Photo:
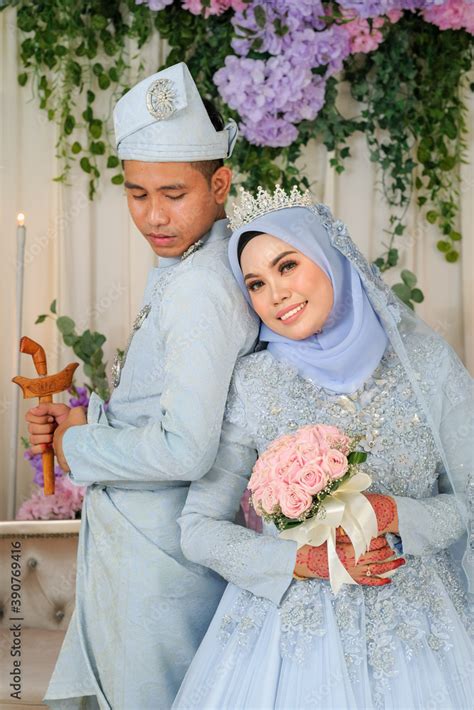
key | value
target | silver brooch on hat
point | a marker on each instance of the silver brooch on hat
(161, 99)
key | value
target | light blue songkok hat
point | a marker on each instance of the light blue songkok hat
(352, 341)
(163, 119)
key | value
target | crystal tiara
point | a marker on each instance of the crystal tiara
(249, 207)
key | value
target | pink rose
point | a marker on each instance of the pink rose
(270, 497)
(312, 478)
(294, 501)
(335, 463)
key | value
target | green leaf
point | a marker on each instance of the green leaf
(69, 339)
(408, 278)
(85, 165)
(392, 257)
(90, 96)
(88, 116)
(41, 319)
(402, 291)
(95, 128)
(452, 256)
(104, 81)
(117, 179)
(69, 124)
(112, 161)
(65, 325)
(455, 236)
(76, 148)
(52, 307)
(22, 78)
(357, 457)
(432, 216)
(417, 295)
(448, 163)
(97, 148)
(98, 22)
(443, 246)
(97, 69)
(260, 15)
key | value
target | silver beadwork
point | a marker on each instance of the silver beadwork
(120, 358)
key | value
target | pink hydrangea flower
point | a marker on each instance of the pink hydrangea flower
(63, 505)
(363, 37)
(451, 15)
(216, 7)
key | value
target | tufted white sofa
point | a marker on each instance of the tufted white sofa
(34, 624)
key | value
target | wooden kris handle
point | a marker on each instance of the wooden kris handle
(47, 459)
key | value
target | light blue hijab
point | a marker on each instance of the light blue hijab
(352, 341)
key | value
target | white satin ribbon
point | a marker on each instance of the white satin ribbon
(348, 508)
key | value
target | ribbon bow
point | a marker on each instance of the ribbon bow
(349, 509)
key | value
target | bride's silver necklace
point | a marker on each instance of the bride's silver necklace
(121, 356)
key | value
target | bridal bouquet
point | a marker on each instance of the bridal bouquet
(308, 484)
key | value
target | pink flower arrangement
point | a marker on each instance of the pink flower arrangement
(451, 15)
(64, 504)
(363, 37)
(297, 471)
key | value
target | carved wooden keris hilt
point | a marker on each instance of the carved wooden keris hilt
(44, 387)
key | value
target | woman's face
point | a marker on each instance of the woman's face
(289, 292)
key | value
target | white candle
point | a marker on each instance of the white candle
(20, 258)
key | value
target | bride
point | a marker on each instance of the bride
(341, 350)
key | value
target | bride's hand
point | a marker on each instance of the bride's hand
(313, 562)
(386, 511)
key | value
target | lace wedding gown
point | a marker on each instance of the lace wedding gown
(275, 642)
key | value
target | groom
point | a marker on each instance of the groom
(141, 607)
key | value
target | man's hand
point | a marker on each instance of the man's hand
(76, 417)
(42, 421)
(47, 424)
(313, 561)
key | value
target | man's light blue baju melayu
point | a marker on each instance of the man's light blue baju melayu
(142, 608)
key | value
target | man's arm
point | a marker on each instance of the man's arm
(206, 326)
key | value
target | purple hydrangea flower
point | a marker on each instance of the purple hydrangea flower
(80, 397)
(37, 464)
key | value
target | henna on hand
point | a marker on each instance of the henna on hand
(386, 511)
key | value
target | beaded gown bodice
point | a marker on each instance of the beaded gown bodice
(271, 399)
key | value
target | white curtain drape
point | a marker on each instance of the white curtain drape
(91, 258)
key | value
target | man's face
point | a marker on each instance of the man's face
(172, 204)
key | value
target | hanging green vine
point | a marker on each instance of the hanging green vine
(76, 56)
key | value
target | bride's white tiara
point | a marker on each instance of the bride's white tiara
(249, 207)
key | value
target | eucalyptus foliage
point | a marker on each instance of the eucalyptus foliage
(87, 346)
